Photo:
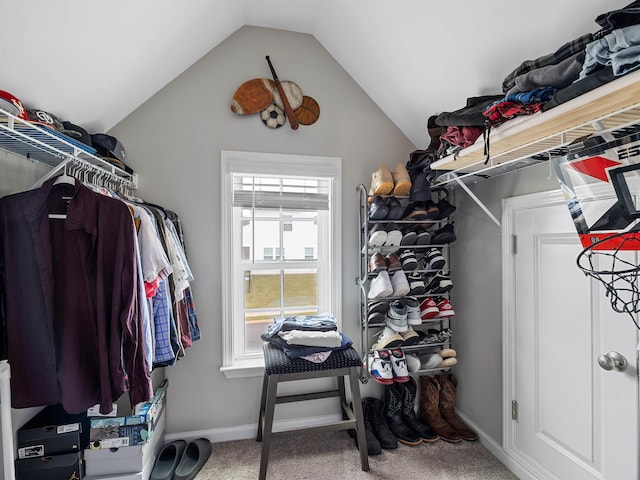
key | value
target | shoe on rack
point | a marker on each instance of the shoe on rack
(399, 365)
(388, 338)
(409, 236)
(432, 210)
(408, 260)
(377, 235)
(374, 409)
(378, 210)
(448, 362)
(409, 337)
(395, 209)
(401, 180)
(380, 307)
(440, 283)
(409, 392)
(376, 318)
(393, 414)
(431, 361)
(428, 309)
(397, 315)
(377, 263)
(415, 211)
(424, 237)
(444, 235)
(434, 260)
(446, 209)
(413, 362)
(413, 310)
(400, 284)
(394, 235)
(416, 284)
(444, 335)
(444, 308)
(373, 444)
(380, 286)
(393, 262)
(381, 181)
(379, 365)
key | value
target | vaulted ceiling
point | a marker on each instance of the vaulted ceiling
(93, 62)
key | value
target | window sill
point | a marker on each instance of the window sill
(253, 367)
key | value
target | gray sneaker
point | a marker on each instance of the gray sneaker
(397, 316)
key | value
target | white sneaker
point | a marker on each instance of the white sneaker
(400, 284)
(413, 311)
(379, 365)
(388, 338)
(399, 365)
(380, 286)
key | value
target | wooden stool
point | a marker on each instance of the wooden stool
(280, 368)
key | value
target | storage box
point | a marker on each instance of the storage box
(123, 460)
(53, 431)
(57, 467)
(117, 432)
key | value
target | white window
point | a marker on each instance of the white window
(280, 247)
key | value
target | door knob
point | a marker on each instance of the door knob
(613, 361)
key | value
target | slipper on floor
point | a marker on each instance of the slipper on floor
(193, 459)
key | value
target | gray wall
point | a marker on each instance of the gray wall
(174, 141)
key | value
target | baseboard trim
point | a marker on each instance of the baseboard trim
(249, 431)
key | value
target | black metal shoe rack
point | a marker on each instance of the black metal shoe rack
(370, 331)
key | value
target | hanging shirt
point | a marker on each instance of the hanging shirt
(72, 332)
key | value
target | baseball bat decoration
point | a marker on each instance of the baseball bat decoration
(293, 121)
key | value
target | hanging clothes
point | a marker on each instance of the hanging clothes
(71, 323)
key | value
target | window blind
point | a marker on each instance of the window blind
(290, 193)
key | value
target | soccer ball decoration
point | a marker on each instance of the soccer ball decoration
(273, 116)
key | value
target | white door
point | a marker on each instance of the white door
(565, 417)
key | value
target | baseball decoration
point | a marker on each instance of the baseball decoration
(276, 101)
(273, 116)
(308, 112)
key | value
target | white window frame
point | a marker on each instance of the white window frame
(235, 365)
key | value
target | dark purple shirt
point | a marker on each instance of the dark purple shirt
(72, 326)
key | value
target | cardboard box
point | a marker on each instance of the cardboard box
(57, 467)
(117, 432)
(123, 460)
(53, 431)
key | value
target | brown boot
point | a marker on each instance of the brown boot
(401, 180)
(429, 410)
(448, 384)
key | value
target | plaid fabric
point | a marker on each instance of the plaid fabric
(164, 353)
(193, 319)
(502, 111)
(539, 95)
(565, 51)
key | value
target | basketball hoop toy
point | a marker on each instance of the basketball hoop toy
(619, 276)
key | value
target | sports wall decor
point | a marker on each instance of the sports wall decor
(276, 101)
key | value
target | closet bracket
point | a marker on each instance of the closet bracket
(476, 199)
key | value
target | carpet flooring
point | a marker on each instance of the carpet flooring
(327, 455)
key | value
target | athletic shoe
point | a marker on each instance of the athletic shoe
(413, 362)
(376, 317)
(408, 260)
(444, 308)
(415, 211)
(377, 235)
(446, 209)
(379, 365)
(416, 284)
(444, 235)
(394, 235)
(409, 236)
(397, 316)
(388, 338)
(382, 307)
(428, 309)
(424, 237)
(430, 361)
(444, 335)
(393, 263)
(400, 284)
(398, 365)
(377, 263)
(434, 260)
(380, 286)
(440, 283)
(413, 311)
(410, 337)
(432, 209)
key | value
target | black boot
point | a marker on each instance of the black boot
(373, 445)
(409, 414)
(373, 408)
(393, 414)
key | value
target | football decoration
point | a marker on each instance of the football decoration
(308, 112)
(273, 116)
(277, 101)
(252, 96)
